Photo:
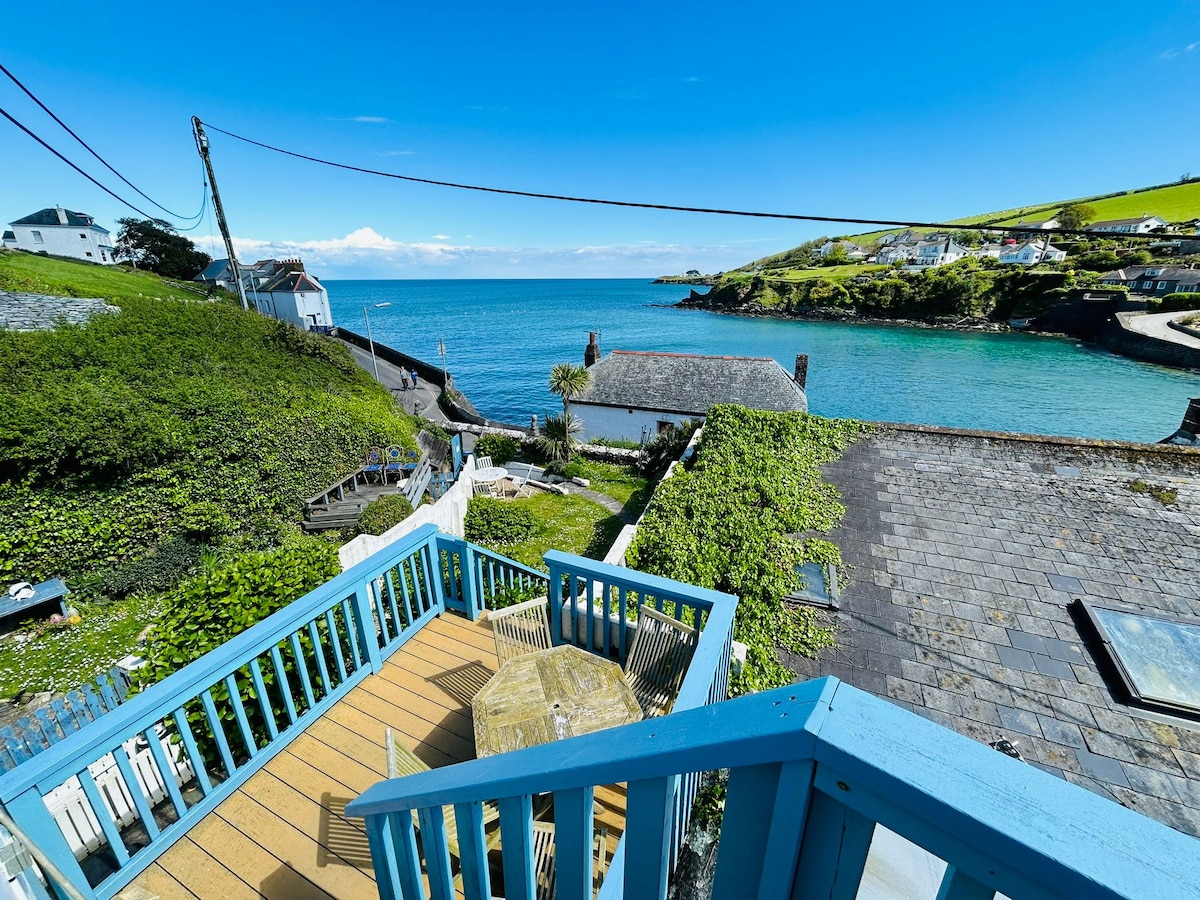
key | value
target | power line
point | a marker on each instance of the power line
(113, 194)
(87, 147)
(940, 226)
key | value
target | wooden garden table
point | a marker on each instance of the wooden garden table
(548, 695)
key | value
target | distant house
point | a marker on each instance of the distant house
(1155, 281)
(1030, 253)
(62, 232)
(1038, 225)
(895, 253)
(1141, 225)
(634, 395)
(853, 251)
(280, 289)
(990, 250)
(937, 253)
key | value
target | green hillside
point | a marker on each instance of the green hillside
(149, 445)
(1173, 202)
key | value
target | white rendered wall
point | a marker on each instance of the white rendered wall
(65, 240)
(621, 422)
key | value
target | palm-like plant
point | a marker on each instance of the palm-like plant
(558, 437)
(568, 381)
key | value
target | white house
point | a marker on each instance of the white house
(894, 253)
(289, 294)
(1141, 225)
(1031, 252)
(937, 253)
(62, 232)
(1038, 226)
(990, 250)
(635, 395)
(853, 251)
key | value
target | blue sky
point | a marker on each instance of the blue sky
(891, 110)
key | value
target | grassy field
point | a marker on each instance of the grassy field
(572, 524)
(1173, 202)
(68, 278)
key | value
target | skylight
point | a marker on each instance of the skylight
(820, 585)
(1157, 658)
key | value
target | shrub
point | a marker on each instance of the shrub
(167, 564)
(384, 513)
(206, 611)
(499, 447)
(669, 445)
(496, 522)
(1179, 302)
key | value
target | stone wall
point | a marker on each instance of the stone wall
(1119, 338)
(40, 312)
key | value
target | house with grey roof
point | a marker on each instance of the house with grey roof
(1138, 225)
(1035, 594)
(1155, 281)
(8, 240)
(633, 395)
(1030, 253)
(281, 289)
(62, 232)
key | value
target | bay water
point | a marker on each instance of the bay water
(502, 336)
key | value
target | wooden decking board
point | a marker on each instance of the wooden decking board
(283, 834)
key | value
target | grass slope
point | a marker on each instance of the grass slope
(1173, 202)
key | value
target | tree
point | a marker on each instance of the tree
(155, 245)
(568, 381)
(558, 438)
(1075, 215)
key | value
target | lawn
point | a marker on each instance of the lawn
(64, 658)
(823, 272)
(571, 523)
(67, 278)
(622, 483)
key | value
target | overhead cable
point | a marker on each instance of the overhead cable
(87, 147)
(940, 226)
(113, 194)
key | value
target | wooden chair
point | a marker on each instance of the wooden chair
(521, 628)
(543, 858)
(483, 462)
(485, 489)
(661, 652)
(401, 761)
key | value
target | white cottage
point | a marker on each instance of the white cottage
(635, 395)
(1031, 252)
(291, 295)
(1143, 224)
(62, 232)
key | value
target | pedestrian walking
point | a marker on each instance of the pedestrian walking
(414, 378)
(403, 380)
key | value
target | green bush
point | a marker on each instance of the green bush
(497, 522)
(668, 445)
(499, 447)
(206, 611)
(1178, 302)
(382, 514)
(165, 566)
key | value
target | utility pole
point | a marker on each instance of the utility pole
(202, 147)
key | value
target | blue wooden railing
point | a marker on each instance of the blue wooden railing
(147, 771)
(819, 775)
(474, 576)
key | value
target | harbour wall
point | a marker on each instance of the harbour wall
(1118, 337)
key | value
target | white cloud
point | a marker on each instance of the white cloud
(1180, 51)
(364, 253)
(365, 120)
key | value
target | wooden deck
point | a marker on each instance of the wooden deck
(283, 834)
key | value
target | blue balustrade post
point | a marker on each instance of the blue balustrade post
(29, 811)
(472, 595)
(958, 885)
(432, 560)
(516, 841)
(364, 617)
(648, 838)
(555, 596)
(834, 849)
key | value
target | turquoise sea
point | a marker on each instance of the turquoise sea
(502, 337)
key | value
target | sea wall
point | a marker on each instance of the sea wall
(1120, 338)
(429, 372)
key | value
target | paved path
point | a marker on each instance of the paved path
(1155, 325)
(421, 401)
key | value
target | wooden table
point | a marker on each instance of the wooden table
(548, 695)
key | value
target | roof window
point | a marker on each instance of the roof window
(820, 586)
(1156, 658)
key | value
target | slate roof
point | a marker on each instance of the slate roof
(217, 269)
(689, 384)
(1182, 274)
(291, 282)
(1138, 220)
(49, 216)
(968, 551)
(8, 236)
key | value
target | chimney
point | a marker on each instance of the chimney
(62, 215)
(801, 369)
(591, 354)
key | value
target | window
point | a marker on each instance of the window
(1156, 658)
(1147, 284)
(89, 254)
(37, 237)
(1162, 285)
(820, 586)
(83, 237)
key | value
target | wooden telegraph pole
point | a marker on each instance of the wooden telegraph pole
(202, 147)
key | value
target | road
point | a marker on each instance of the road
(421, 401)
(1155, 325)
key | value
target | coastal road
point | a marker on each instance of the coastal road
(1155, 325)
(421, 401)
